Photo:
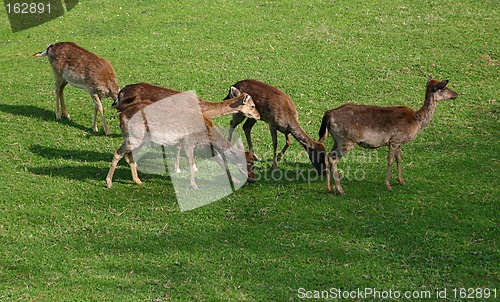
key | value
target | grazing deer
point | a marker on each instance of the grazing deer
(74, 65)
(170, 125)
(135, 93)
(277, 109)
(374, 126)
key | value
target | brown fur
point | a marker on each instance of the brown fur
(74, 65)
(277, 109)
(374, 126)
(130, 94)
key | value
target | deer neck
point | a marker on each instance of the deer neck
(300, 135)
(217, 109)
(424, 114)
(315, 150)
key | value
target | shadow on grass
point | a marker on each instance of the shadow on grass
(71, 154)
(249, 253)
(80, 173)
(87, 173)
(42, 114)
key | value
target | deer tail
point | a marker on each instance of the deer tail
(41, 53)
(323, 130)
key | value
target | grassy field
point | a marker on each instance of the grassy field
(65, 237)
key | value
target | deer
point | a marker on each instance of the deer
(278, 110)
(374, 126)
(169, 124)
(132, 94)
(83, 69)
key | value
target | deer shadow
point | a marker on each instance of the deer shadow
(70, 154)
(86, 172)
(42, 114)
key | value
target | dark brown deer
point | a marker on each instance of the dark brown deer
(374, 126)
(74, 65)
(277, 109)
(181, 128)
(135, 93)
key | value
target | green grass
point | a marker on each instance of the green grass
(65, 237)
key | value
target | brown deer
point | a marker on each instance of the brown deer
(132, 93)
(74, 65)
(169, 125)
(277, 109)
(135, 93)
(374, 126)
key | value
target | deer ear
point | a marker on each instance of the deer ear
(440, 85)
(234, 92)
(245, 100)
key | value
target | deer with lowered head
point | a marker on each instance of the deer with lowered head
(83, 69)
(374, 126)
(132, 94)
(277, 109)
(169, 124)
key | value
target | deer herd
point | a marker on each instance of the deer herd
(248, 100)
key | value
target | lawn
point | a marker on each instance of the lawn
(65, 237)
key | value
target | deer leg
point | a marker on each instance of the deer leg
(177, 159)
(329, 166)
(336, 176)
(332, 160)
(94, 120)
(116, 158)
(133, 168)
(339, 149)
(247, 128)
(288, 142)
(390, 161)
(98, 107)
(274, 137)
(399, 160)
(190, 158)
(60, 84)
(237, 119)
